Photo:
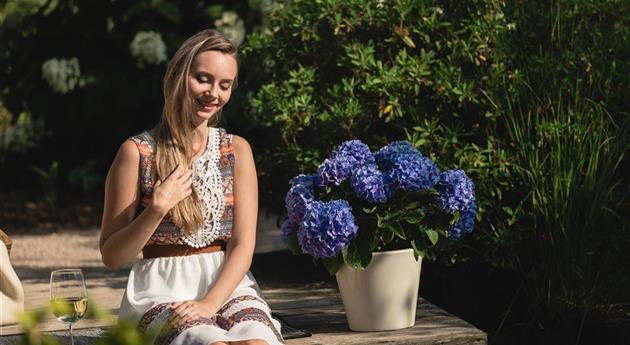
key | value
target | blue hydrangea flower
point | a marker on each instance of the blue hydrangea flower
(387, 155)
(456, 191)
(287, 228)
(296, 200)
(344, 160)
(335, 171)
(372, 185)
(413, 172)
(466, 222)
(308, 181)
(327, 228)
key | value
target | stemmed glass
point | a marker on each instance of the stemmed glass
(68, 296)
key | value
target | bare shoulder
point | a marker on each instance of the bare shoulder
(126, 161)
(241, 146)
(128, 151)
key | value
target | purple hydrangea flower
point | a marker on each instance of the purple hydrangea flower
(287, 228)
(335, 171)
(387, 155)
(308, 181)
(413, 172)
(456, 191)
(355, 149)
(296, 200)
(466, 222)
(344, 160)
(372, 185)
(327, 228)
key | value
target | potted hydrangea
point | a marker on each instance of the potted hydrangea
(363, 209)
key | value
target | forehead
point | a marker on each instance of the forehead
(219, 64)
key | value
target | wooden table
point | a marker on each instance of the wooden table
(315, 308)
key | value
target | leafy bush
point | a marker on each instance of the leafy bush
(328, 71)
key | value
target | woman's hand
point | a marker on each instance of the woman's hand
(187, 311)
(175, 188)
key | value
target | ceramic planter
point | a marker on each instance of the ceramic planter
(383, 296)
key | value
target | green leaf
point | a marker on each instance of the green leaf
(369, 210)
(433, 236)
(418, 249)
(294, 245)
(397, 230)
(358, 253)
(333, 264)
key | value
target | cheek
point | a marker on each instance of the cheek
(225, 96)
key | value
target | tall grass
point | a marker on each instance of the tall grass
(568, 153)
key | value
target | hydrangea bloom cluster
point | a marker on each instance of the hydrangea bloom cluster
(308, 181)
(327, 228)
(61, 74)
(231, 26)
(372, 185)
(456, 191)
(414, 172)
(386, 156)
(323, 229)
(296, 201)
(148, 48)
(287, 228)
(348, 157)
(466, 222)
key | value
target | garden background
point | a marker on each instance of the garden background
(528, 97)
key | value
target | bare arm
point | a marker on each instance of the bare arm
(123, 237)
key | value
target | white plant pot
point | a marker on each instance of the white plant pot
(383, 296)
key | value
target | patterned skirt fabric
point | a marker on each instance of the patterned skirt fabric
(155, 283)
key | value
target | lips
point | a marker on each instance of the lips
(206, 105)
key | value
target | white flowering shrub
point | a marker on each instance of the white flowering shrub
(148, 48)
(62, 74)
(231, 26)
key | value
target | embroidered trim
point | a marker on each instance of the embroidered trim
(208, 183)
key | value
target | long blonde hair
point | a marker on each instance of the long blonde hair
(173, 134)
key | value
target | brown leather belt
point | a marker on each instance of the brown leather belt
(167, 250)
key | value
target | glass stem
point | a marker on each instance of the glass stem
(71, 336)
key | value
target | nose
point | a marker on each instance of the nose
(211, 92)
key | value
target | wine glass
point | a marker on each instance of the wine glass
(68, 296)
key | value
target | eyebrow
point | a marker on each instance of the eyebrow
(206, 74)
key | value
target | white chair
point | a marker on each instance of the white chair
(11, 291)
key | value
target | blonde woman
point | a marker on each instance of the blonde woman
(185, 195)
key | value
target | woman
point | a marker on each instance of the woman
(185, 195)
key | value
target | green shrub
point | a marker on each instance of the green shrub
(328, 71)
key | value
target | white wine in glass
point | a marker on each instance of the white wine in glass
(68, 296)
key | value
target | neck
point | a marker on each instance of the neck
(199, 137)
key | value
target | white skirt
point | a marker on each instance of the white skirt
(155, 283)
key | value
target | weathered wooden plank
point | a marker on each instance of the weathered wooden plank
(316, 309)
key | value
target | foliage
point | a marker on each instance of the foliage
(360, 202)
(568, 155)
(48, 182)
(18, 136)
(579, 46)
(75, 65)
(120, 333)
(337, 70)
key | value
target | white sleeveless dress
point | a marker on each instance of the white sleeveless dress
(155, 283)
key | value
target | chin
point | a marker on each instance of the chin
(204, 115)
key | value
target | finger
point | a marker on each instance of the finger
(176, 172)
(187, 181)
(182, 308)
(188, 192)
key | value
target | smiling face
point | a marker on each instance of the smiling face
(210, 82)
